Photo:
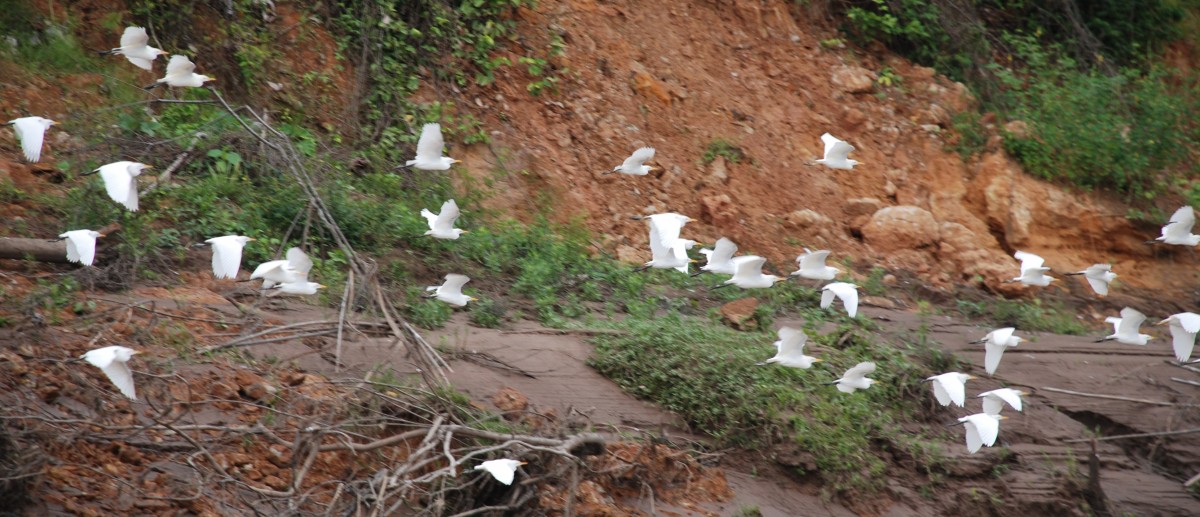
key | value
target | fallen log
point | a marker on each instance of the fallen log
(43, 250)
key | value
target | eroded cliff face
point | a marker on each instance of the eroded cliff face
(764, 77)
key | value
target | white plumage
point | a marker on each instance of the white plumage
(994, 401)
(1098, 276)
(635, 165)
(856, 378)
(181, 73)
(848, 293)
(294, 269)
(31, 131)
(720, 258)
(441, 225)
(748, 273)
(1178, 229)
(1126, 328)
(81, 245)
(451, 291)
(504, 470)
(300, 288)
(1184, 327)
(667, 250)
(1032, 270)
(114, 362)
(812, 266)
(429, 150)
(982, 429)
(789, 350)
(120, 181)
(950, 388)
(135, 47)
(227, 255)
(836, 152)
(994, 344)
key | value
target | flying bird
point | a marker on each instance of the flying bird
(749, 274)
(293, 270)
(181, 73)
(227, 255)
(667, 250)
(1098, 276)
(441, 225)
(135, 48)
(1032, 270)
(1178, 229)
(635, 164)
(812, 266)
(836, 152)
(31, 131)
(1184, 327)
(503, 470)
(114, 362)
(429, 151)
(720, 258)
(994, 344)
(299, 288)
(120, 181)
(81, 245)
(982, 429)
(1125, 328)
(994, 401)
(848, 293)
(789, 350)
(856, 378)
(451, 291)
(950, 388)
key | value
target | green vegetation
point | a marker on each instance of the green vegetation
(1024, 315)
(1080, 75)
(723, 148)
(706, 373)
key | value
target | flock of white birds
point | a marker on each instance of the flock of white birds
(668, 251)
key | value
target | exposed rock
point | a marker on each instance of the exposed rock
(718, 174)
(806, 218)
(719, 211)
(853, 118)
(511, 402)
(853, 79)
(1017, 128)
(740, 313)
(900, 227)
(647, 86)
(253, 387)
(936, 114)
(631, 255)
(862, 206)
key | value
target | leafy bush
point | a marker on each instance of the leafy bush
(723, 148)
(707, 374)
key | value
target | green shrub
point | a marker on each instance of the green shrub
(723, 148)
(1024, 315)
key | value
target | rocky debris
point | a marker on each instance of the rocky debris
(801, 219)
(719, 211)
(862, 206)
(253, 387)
(853, 79)
(900, 228)
(740, 313)
(515, 407)
(631, 255)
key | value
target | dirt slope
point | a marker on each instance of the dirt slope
(757, 75)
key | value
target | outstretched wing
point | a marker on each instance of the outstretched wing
(120, 185)
(180, 65)
(792, 341)
(939, 391)
(1002, 335)
(1180, 224)
(1028, 260)
(455, 282)
(814, 260)
(1008, 395)
(722, 252)
(1131, 321)
(988, 428)
(429, 147)
(445, 220)
(299, 263)
(134, 37)
(749, 266)
(31, 132)
(122, 377)
(638, 158)
(848, 294)
(859, 371)
(835, 149)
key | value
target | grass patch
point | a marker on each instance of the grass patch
(706, 373)
(724, 149)
(1022, 315)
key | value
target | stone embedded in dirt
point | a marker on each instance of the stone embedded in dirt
(631, 255)
(647, 86)
(740, 313)
(862, 206)
(901, 227)
(253, 387)
(936, 114)
(511, 402)
(718, 174)
(275, 482)
(853, 118)
(719, 211)
(1017, 128)
(806, 218)
(853, 79)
